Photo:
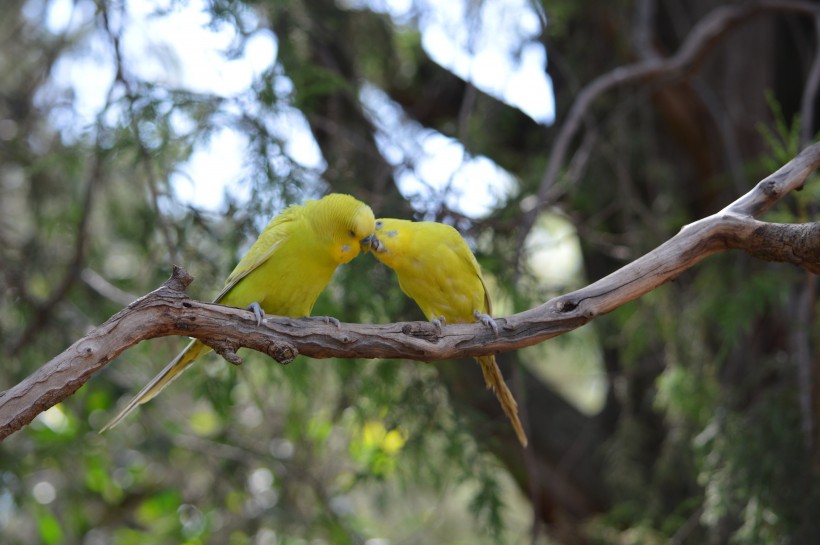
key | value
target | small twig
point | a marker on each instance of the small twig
(96, 282)
(642, 39)
(143, 153)
(465, 113)
(727, 137)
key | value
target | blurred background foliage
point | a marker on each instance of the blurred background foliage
(688, 416)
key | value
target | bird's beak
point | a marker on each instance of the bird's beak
(371, 244)
(367, 243)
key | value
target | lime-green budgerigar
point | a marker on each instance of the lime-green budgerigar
(436, 268)
(284, 271)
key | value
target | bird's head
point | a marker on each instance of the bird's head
(388, 239)
(346, 223)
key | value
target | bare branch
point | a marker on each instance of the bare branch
(168, 311)
(96, 282)
(642, 34)
(788, 243)
(703, 37)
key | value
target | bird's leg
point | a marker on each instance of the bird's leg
(439, 322)
(257, 311)
(487, 320)
(327, 320)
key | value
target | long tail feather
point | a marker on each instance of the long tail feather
(183, 360)
(495, 382)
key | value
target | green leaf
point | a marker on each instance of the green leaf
(49, 528)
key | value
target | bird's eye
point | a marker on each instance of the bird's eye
(352, 233)
(379, 224)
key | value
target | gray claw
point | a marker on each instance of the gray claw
(439, 322)
(334, 321)
(257, 311)
(487, 320)
(327, 320)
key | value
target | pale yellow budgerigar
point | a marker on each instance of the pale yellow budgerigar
(284, 271)
(436, 268)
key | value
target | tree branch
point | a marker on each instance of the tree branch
(703, 37)
(168, 311)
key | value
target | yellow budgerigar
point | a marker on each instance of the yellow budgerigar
(436, 268)
(284, 271)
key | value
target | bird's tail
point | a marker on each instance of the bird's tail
(183, 360)
(495, 382)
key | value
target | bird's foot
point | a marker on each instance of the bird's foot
(257, 311)
(439, 322)
(327, 320)
(487, 320)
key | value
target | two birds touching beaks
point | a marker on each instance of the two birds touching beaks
(292, 261)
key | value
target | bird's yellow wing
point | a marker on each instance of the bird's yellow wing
(270, 239)
(456, 244)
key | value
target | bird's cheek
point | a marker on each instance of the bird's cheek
(348, 252)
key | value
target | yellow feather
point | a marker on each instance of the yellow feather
(284, 271)
(436, 268)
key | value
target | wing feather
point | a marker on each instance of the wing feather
(456, 243)
(270, 239)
